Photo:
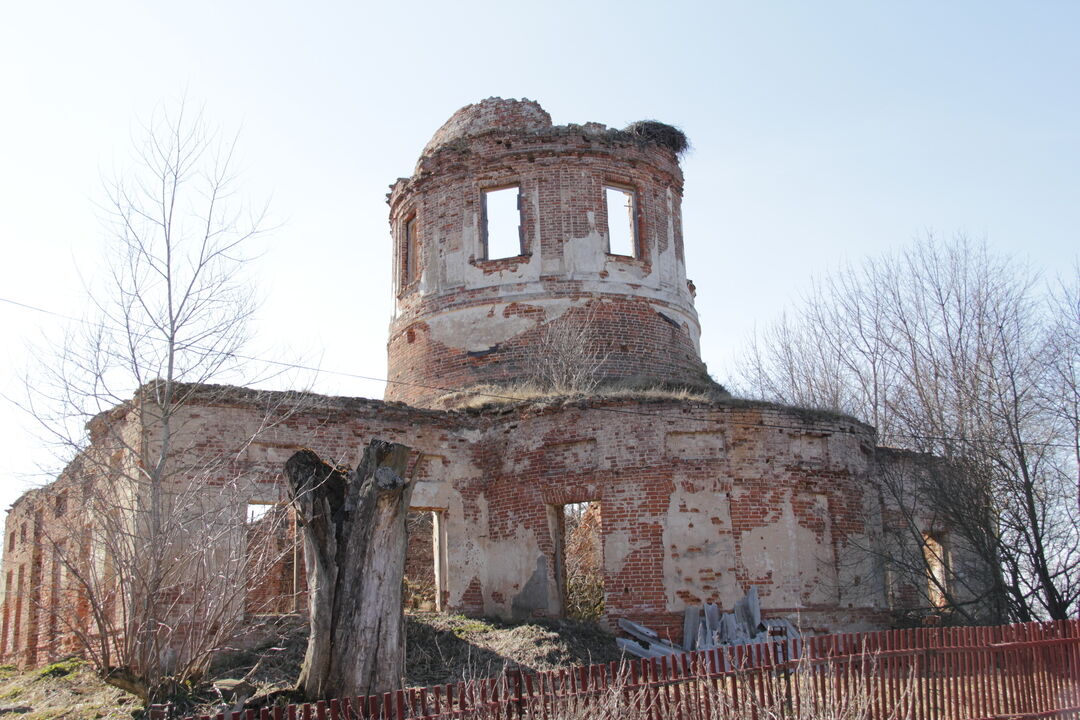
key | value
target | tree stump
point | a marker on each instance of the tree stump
(353, 525)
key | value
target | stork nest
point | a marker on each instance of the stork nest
(658, 133)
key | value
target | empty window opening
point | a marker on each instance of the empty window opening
(936, 555)
(61, 505)
(579, 561)
(502, 223)
(8, 593)
(409, 251)
(622, 225)
(274, 572)
(55, 604)
(257, 511)
(19, 619)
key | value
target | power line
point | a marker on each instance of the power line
(496, 396)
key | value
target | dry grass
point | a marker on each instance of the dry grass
(67, 689)
(828, 693)
(451, 648)
(481, 397)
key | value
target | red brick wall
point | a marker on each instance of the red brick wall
(698, 502)
(646, 326)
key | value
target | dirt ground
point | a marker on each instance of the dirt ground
(441, 649)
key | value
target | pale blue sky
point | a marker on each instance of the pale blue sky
(821, 131)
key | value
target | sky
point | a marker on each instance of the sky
(822, 133)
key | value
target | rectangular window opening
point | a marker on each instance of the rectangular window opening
(409, 250)
(274, 571)
(19, 619)
(579, 561)
(936, 555)
(257, 511)
(502, 223)
(55, 604)
(622, 225)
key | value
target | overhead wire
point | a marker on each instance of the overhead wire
(496, 396)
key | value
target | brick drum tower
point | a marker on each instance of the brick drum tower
(514, 236)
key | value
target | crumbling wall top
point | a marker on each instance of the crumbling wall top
(491, 114)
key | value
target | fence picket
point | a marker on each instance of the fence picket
(1020, 671)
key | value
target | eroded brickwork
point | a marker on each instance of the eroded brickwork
(698, 501)
(463, 318)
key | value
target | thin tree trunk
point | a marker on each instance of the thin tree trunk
(354, 543)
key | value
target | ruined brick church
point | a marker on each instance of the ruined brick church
(516, 240)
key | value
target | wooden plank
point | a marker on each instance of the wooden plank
(652, 650)
(704, 642)
(645, 634)
(748, 612)
(637, 630)
(728, 629)
(691, 620)
(712, 622)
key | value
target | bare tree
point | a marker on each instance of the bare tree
(570, 355)
(155, 549)
(1062, 395)
(954, 352)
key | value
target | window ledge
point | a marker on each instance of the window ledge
(629, 259)
(508, 263)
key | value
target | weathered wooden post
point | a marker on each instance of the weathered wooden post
(353, 525)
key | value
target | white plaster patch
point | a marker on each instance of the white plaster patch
(584, 255)
(466, 547)
(809, 447)
(801, 562)
(272, 453)
(699, 550)
(617, 547)
(453, 267)
(430, 495)
(475, 329)
(536, 249)
(621, 271)
(510, 564)
(478, 328)
(704, 445)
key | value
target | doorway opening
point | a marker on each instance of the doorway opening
(579, 560)
(425, 561)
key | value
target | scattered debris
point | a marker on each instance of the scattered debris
(654, 645)
(706, 628)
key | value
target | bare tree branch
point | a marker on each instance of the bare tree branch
(954, 352)
(157, 553)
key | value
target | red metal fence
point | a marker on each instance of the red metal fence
(1014, 671)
